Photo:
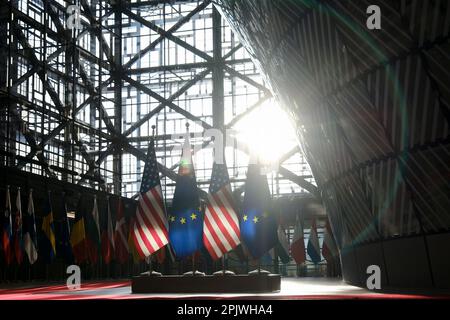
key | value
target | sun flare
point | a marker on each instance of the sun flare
(267, 131)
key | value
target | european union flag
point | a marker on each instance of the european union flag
(258, 224)
(186, 220)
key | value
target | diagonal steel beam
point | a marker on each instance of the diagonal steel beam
(174, 28)
(245, 78)
(191, 82)
(288, 154)
(95, 27)
(29, 50)
(165, 101)
(183, 89)
(32, 143)
(167, 35)
(248, 111)
(300, 181)
(25, 76)
(92, 98)
(92, 92)
(41, 145)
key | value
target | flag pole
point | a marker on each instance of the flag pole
(223, 263)
(193, 264)
(259, 265)
(193, 255)
(150, 267)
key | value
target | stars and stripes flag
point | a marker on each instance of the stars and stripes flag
(221, 231)
(150, 230)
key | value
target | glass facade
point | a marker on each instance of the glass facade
(87, 101)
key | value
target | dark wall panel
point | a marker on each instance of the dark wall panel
(349, 267)
(407, 263)
(439, 245)
(370, 254)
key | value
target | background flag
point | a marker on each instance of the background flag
(298, 244)
(329, 249)
(150, 230)
(7, 230)
(186, 221)
(78, 233)
(29, 230)
(18, 235)
(131, 244)
(258, 224)
(108, 236)
(92, 225)
(313, 244)
(48, 229)
(64, 247)
(282, 248)
(221, 226)
(120, 235)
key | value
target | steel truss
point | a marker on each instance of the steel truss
(65, 92)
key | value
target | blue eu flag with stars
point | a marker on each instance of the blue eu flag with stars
(258, 223)
(186, 220)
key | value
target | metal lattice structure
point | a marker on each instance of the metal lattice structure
(78, 104)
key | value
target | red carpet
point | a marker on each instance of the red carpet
(122, 290)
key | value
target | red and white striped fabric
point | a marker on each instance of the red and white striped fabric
(221, 232)
(150, 231)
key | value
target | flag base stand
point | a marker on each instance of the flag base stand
(258, 272)
(224, 273)
(195, 273)
(242, 283)
(151, 274)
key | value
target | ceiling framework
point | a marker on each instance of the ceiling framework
(79, 104)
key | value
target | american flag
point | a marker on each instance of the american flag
(221, 225)
(150, 229)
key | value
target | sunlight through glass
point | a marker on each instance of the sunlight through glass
(267, 131)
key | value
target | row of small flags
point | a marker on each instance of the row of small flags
(297, 248)
(218, 228)
(20, 232)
